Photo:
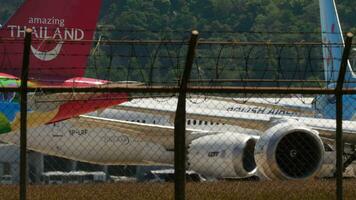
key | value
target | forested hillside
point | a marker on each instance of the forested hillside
(213, 15)
(238, 20)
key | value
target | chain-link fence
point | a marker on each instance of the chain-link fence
(252, 128)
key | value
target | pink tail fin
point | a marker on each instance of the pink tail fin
(62, 31)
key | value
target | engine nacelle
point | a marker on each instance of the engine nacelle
(223, 155)
(289, 150)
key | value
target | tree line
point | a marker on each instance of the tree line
(221, 20)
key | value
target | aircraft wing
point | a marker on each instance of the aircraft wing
(163, 135)
(195, 111)
(289, 106)
(325, 127)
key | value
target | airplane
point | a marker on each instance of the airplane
(61, 32)
(223, 141)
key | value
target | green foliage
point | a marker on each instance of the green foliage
(213, 15)
(5, 126)
(235, 20)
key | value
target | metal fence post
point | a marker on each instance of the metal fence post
(339, 137)
(179, 124)
(23, 101)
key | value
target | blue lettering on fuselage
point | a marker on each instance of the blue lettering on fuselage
(261, 110)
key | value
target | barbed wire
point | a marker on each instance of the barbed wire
(157, 61)
(180, 31)
(202, 41)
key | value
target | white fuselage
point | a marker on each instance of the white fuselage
(106, 146)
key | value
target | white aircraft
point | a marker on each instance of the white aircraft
(225, 139)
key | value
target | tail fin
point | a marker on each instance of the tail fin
(332, 53)
(61, 34)
(333, 43)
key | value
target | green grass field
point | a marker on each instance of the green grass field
(210, 191)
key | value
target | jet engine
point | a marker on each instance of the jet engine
(289, 150)
(223, 155)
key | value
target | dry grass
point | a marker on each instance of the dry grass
(209, 191)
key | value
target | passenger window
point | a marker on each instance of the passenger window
(188, 122)
(194, 122)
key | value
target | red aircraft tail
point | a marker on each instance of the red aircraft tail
(62, 34)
